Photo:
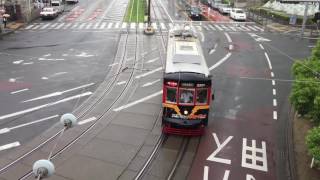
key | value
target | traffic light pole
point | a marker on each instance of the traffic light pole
(304, 18)
(149, 13)
(149, 30)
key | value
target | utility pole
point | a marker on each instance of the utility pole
(149, 30)
(304, 18)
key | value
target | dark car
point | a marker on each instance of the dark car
(194, 12)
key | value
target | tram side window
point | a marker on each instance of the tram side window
(171, 95)
(202, 96)
(186, 96)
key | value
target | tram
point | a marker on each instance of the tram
(186, 85)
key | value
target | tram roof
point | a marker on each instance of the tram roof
(184, 54)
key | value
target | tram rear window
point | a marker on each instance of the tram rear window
(186, 96)
(202, 96)
(171, 95)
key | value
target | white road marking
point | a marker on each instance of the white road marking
(30, 26)
(259, 28)
(45, 59)
(140, 25)
(117, 25)
(82, 26)
(138, 101)
(96, 26)
(206, 173)
(124, 25)
(226, 175)
(110, 65)
(251, 153)
(272, 74)
(252, 28)
(202, 36)
(75, 26)
(87, 120)
(89, 26)
(232, 28)
(6, 130)
(274, 92)
(44, 106)
(218, 27)
(210, 26)
(273, 82)
(275, 102)
(170, 25)
(245, 28)
(17, 62)
(103, 25)
(58, 27)
(109, 25)
(67, 26)
(275, 115)
(220, 146)
(19, 91)
(9, 146)
(53, 25)
(220, 62)
(152, 60)
(261, 46)
(163, 26)
(258, 38)
(268, 59)
(224, 27)
(214, 49)
(154, 25)
(228, 37)
(59, 93)
(121, 82)
(231, 47)
(132, 25)
(148, 73)
(45, 26)
(150, 83)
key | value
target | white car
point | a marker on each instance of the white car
(224, 9)
(238, 14)
(48, 13)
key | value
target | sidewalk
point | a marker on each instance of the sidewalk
(11, 27)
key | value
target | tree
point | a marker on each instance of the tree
(313, 143)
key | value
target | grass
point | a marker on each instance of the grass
(135, 11)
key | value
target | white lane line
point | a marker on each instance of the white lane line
(44, 105)
(269, 62)
(138, 101)
(58, 93)
(272, 74)
(220, 62)
(274, 92)
(6, 130)
(275, 115)
(202, 36)
(152, 60)
(19, 91)
(9, 146)
(228, 37)
(226, 175)
(121, 82)
(206, 173)
(275, 102)
(214, 49)
(110, 65)
(273, 82)
(150, 83)
(261, 46)
(87, 120)
(148, 73)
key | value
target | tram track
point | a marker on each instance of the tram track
(85, 109)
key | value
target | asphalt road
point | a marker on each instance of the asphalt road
(46, 72)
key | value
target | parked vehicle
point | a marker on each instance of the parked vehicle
(224, 9)
(48, 13)
(238, 14)
(58, 5)
(72, 1)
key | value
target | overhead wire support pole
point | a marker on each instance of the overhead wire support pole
(304, 18)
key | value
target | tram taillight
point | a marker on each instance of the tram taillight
(172, 83)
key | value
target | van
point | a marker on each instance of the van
(58, 5)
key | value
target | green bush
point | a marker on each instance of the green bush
(313, 143)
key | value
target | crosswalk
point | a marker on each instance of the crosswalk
(251, 27)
